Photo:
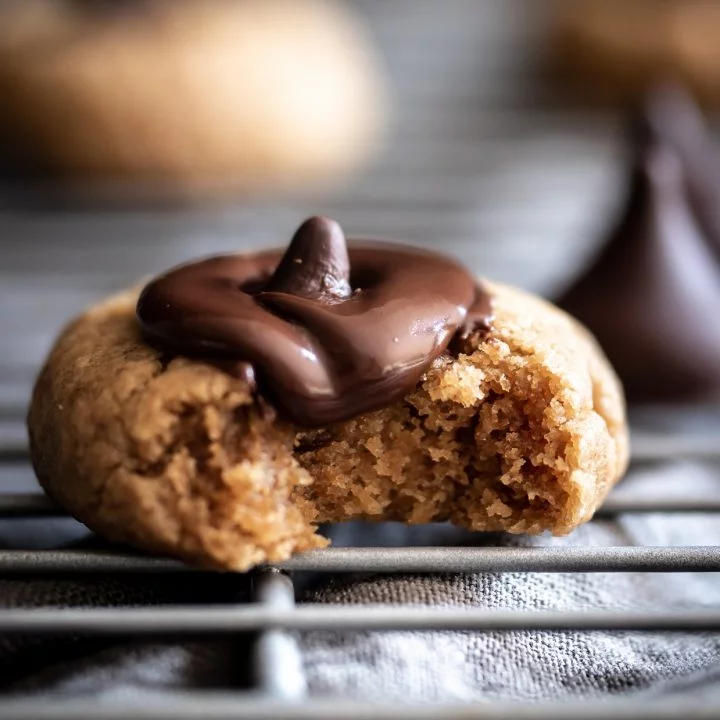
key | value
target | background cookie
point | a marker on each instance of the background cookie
(524, 433)
(198, 97)
(614, 50)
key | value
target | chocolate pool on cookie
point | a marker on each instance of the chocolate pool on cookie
(228, 408)
(331, 332)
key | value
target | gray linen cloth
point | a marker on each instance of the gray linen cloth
(441, 666)
(422, 666)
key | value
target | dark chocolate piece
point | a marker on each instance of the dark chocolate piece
(330, 331)
(652, 297)
(670, 116)
(316, 265)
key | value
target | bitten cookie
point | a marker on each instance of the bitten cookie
(613, 51)
(514, 421)
(193, 98)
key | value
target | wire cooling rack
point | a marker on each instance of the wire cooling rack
(280, 688)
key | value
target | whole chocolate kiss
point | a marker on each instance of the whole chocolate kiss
(329, 331)
(652, 297)
(670, 116)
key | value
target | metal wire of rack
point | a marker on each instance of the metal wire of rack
(280, 689)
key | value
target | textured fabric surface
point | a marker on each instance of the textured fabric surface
(75, 664)
(430, 666)
(443, 666)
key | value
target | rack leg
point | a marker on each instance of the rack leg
(277, 660)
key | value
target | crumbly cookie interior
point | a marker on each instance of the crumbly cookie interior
(477, 445)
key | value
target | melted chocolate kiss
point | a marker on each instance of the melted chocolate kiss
(652, 298)
(329, 331)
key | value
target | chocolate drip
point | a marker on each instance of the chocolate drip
(652, 297)
(330, 331)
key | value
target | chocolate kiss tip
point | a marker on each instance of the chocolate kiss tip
(668, 112)
(316, 265)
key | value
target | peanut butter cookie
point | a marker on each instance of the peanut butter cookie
(160, 97)
(512, 421)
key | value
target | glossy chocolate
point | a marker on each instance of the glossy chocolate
(330, 331)
(652, 297)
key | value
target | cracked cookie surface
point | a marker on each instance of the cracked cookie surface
(522, 431)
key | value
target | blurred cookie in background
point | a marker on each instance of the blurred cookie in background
(611, 51)
(188, 98)
(652, 295)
